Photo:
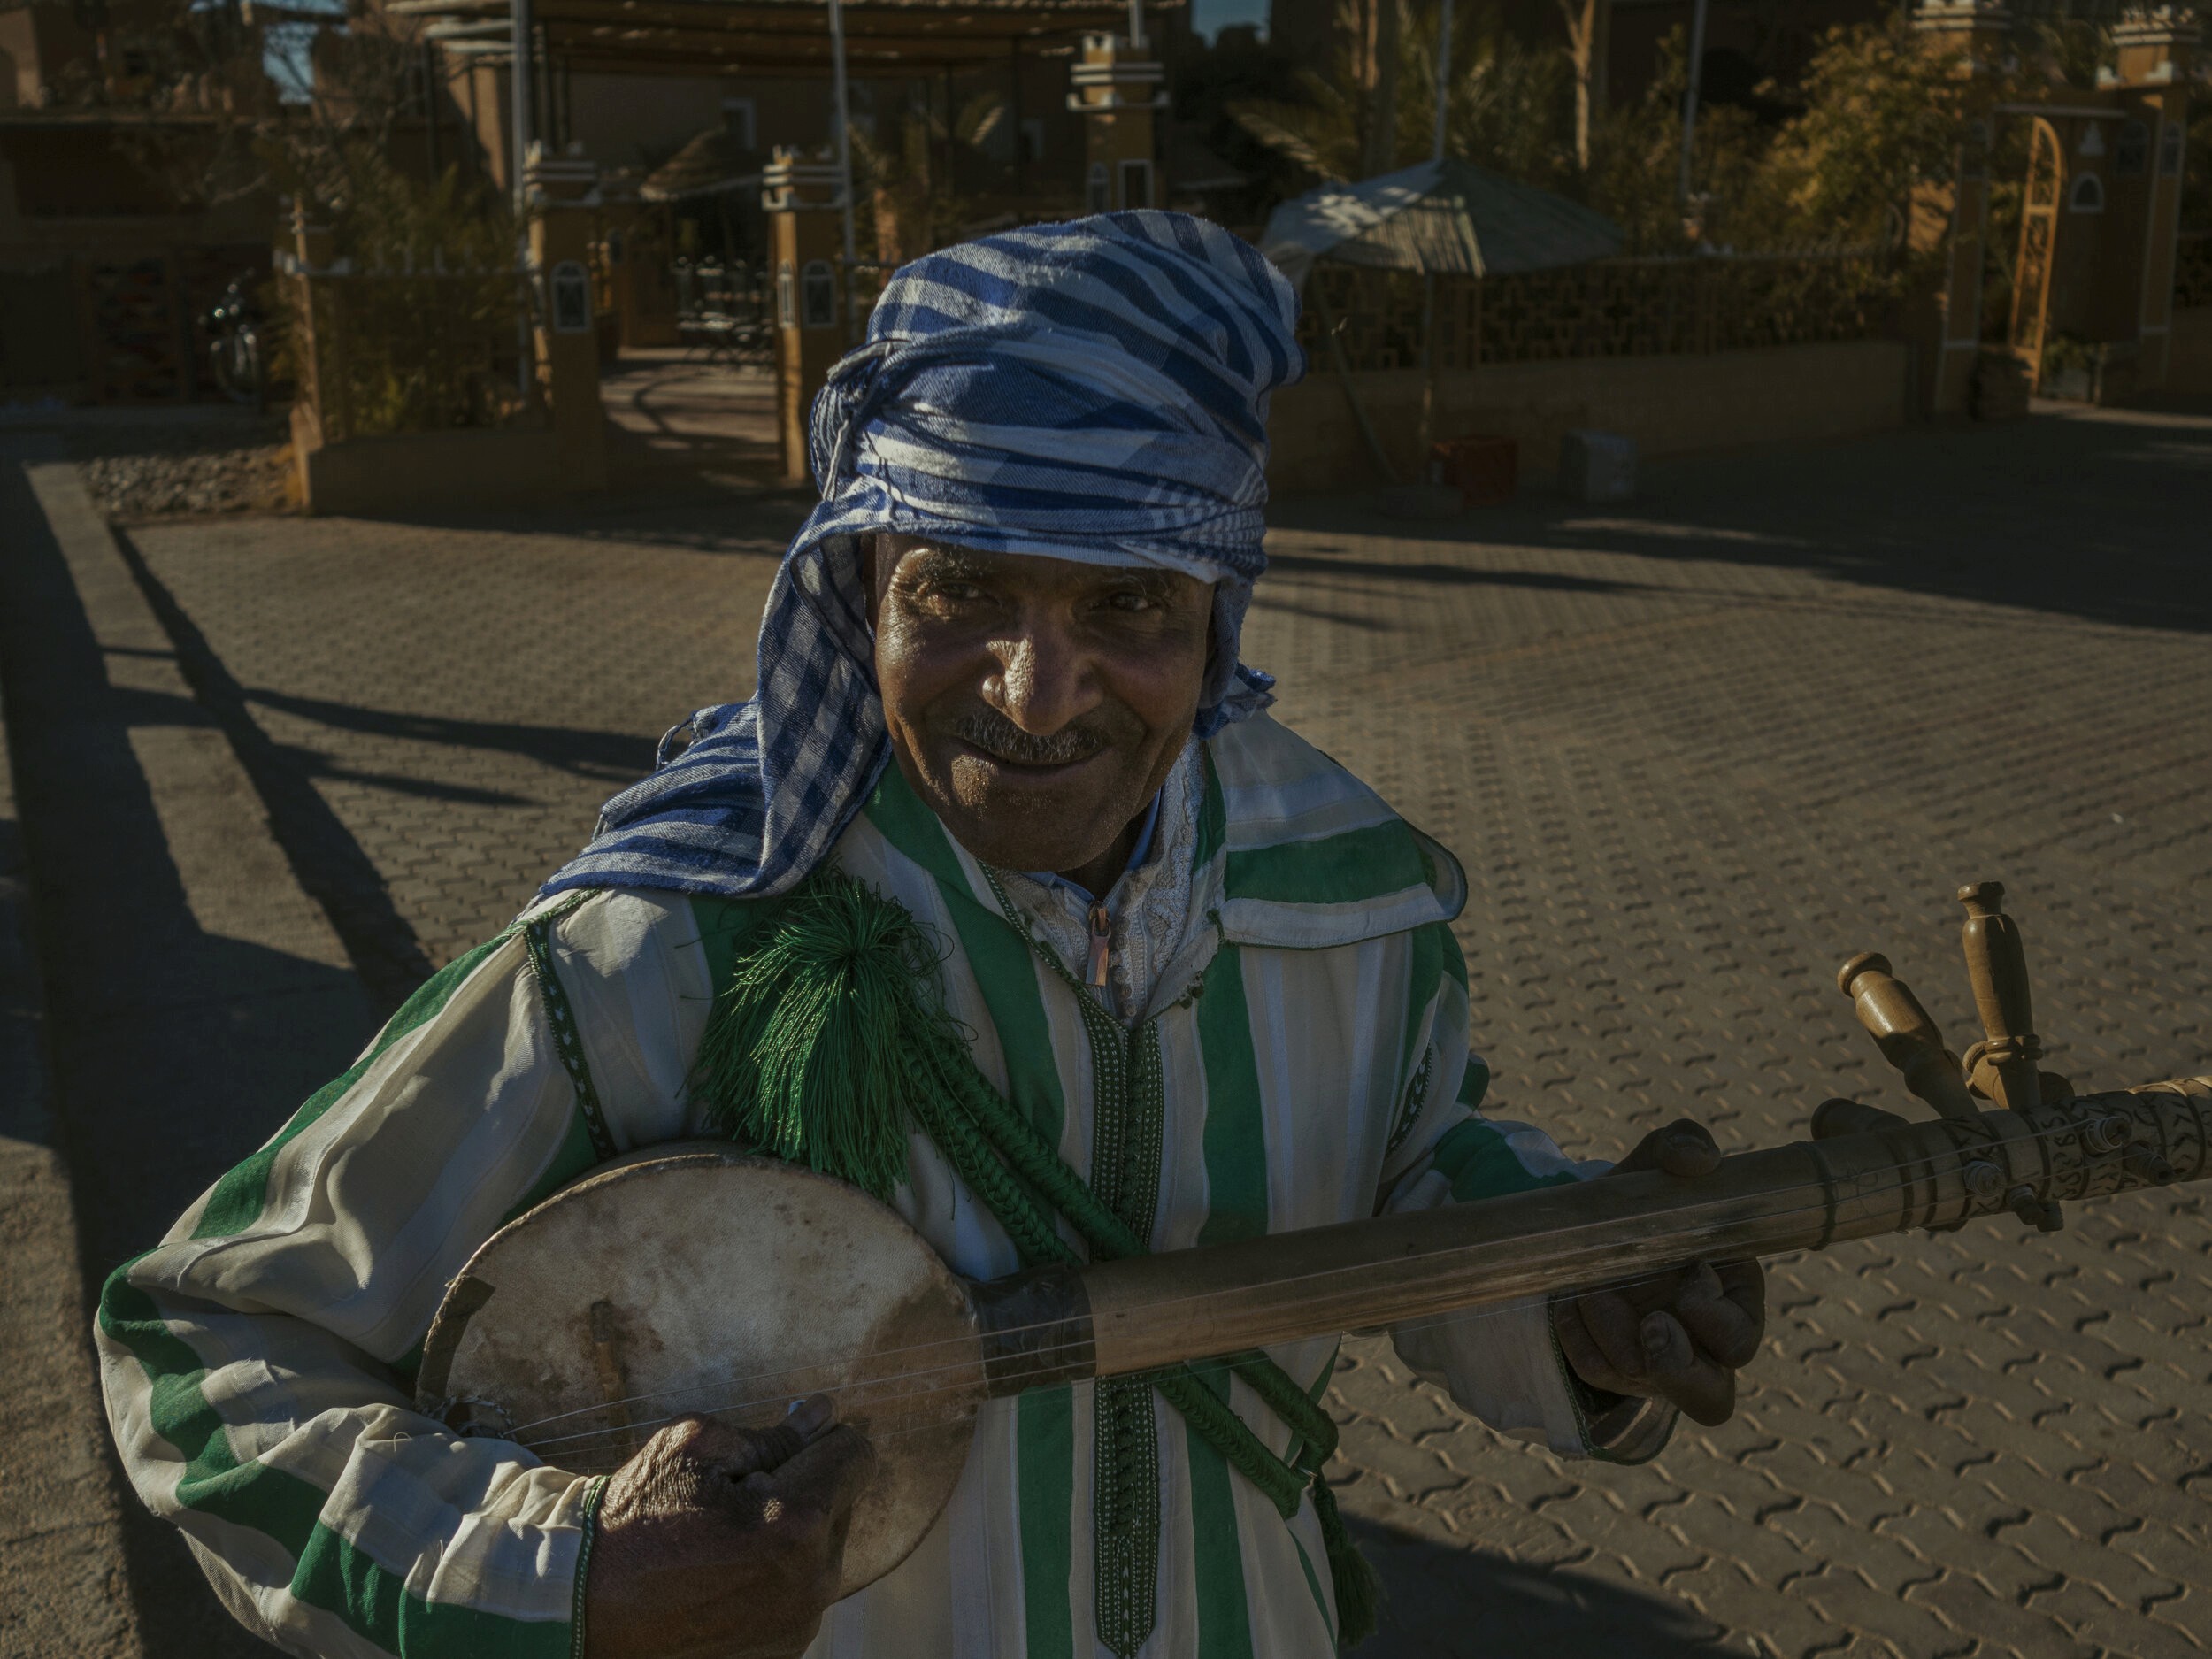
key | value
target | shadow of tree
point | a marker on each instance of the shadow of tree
(175, 1051)
(1443, 573)
(613, 757)
(2021, 515)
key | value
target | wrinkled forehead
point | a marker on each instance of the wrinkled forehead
(894, 555)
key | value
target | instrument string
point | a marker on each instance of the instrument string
(605, 1460)
(965, 1360)
(964, 1345)
(964, 1348)
(784, 1398)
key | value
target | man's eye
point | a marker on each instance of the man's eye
(1132, 599)
(954, 593)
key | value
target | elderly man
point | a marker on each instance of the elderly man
(999, 688)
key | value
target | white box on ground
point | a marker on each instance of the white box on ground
(1597, 466)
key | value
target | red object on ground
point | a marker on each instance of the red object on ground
(1481, 469)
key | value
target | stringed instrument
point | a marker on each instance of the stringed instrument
(692, 1279)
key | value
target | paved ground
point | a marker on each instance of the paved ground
(1693, 753)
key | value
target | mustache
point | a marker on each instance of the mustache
(995, 734)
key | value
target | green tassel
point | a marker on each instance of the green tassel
(806, 1057)
(1358, 1589)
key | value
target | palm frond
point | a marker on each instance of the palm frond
(1286, 129)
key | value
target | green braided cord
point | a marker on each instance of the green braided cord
(833, 1023)
(1358, 1587)
(1034, 1236)
(1037, 1240)
(1231, 1435)
(1287, 1400)
(1015, 1139)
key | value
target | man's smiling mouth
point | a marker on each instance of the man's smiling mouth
(994, 737)
(1025, 768)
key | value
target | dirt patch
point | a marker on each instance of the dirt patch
(187, 470)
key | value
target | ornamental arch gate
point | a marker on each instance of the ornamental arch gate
(2039, 235)
(2094, 265)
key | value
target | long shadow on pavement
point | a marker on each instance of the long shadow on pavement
(2018, 515)
(176, 1051)
(328, 862)
(615, 758)
(1445, 1602)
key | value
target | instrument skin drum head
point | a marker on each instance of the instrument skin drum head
(693, 1280)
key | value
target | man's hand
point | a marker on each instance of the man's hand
(716, 1542)
(1681, 1334)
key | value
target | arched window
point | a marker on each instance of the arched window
(2086, 195)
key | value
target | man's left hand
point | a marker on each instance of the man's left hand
(1680, 1334)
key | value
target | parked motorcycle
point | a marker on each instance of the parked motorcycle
(235, 353)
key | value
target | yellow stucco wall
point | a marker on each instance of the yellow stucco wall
(1669, 405)
(402, 473)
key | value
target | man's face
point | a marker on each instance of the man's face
(1037, 705)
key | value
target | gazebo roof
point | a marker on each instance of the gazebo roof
(882, 37)
(713, 163)
(1449, 218)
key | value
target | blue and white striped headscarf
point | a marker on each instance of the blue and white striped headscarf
(1095, 391)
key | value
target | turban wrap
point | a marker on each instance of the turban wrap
(1095, 391)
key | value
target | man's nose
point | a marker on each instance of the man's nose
(1043, 680)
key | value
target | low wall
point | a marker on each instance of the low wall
(2189, 351)
(404, 472)
(1669, 404)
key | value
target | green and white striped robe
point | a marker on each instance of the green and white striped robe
(1316, 1068)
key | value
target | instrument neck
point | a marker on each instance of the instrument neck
(1110, 1318)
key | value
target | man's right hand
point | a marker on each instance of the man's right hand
(716, 1542)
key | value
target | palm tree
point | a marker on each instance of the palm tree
(1506, 107)
(912, 175)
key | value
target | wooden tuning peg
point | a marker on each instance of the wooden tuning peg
(1907, 1036)
(2005, 1067)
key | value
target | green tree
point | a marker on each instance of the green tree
(1635, 162)
(1882, 114)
